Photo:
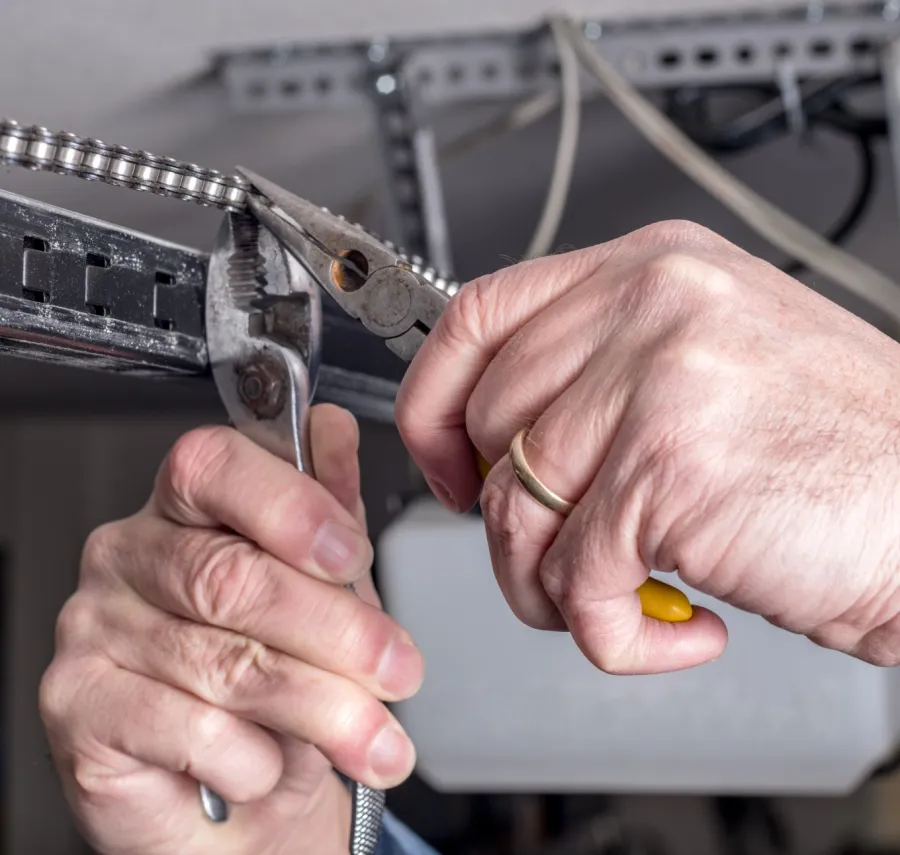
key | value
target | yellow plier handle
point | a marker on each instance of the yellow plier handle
(658, 600)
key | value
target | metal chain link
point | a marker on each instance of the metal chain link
(35, 147)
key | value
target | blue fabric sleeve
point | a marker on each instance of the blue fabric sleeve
(397, 839)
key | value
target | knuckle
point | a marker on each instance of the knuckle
(76, 623)
(609, 662)
(555, 582)
(98, 555)
(193, 460)
(65, 681)
(678, 231)
(54, 694)
(676, 272)
(356, 722)
(468, 313)
(227, 584)
(209, 727)
(239, 669)
(675, 233)
(93, 782)
(503, 517)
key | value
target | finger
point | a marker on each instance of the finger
(220, 580)
(216, 477)
(431, 404)
(334, 438)
(153, 723)
(295, 699)
(518, 535)
(335, 447)
(565, 448)
(591, 573)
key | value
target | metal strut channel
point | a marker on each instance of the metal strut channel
(743, 47)
(79, 292)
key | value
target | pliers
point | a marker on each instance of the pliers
(264, 326)
(263, 331)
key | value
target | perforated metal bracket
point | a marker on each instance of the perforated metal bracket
(412, 188)
(82, 292)
(818, 40)
(79, 292)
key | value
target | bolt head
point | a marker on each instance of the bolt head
(261, 387)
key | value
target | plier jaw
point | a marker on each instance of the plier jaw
(369, 279)
(264, 344)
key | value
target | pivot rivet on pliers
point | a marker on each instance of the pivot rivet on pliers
(262, 387)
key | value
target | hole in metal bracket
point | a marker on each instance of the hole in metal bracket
(669, 59)
(96, 259)
(164, 323)
(102, 311)
(35, 243)
(782, 50)
(862, 47)
(821, 48)
(707, 56)
(163, 278)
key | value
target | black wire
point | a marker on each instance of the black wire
(740, 134)
(859, 204)
(823, 107)
(768, 120)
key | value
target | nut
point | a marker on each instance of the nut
(262, 387)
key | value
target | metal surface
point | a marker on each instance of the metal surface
(412, 189)
(36, 147)
(397, 301)
(80, 292)
(367, 811)
(242, 345)
(690, 50)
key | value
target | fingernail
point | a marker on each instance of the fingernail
(443, 495)
(391, 754)
(341, 552)
(400, 669)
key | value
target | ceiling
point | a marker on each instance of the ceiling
(132, 73)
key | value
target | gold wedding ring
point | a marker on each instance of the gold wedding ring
(542, 494)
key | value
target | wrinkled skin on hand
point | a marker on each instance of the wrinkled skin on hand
(709, 415)
(212, 639)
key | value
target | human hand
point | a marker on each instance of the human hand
(707, 413)
(211, 639)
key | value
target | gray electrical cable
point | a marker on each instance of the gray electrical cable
(773, 224)
(566, 149)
